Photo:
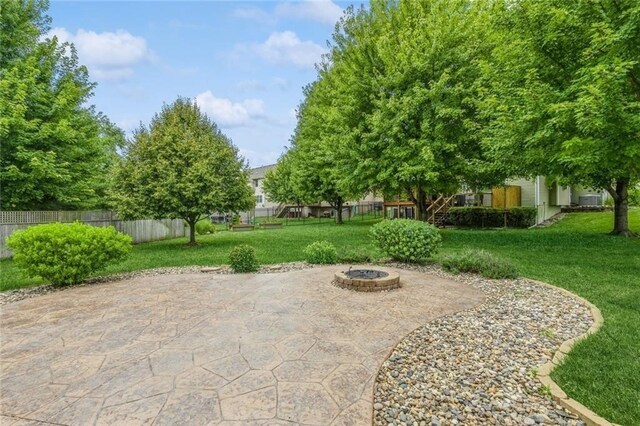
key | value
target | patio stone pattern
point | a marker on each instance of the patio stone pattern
(198, 348)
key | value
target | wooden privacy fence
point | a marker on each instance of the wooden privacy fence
(141, 231)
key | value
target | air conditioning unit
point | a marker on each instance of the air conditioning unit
(590, 200)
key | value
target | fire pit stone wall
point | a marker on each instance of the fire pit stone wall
(388, 282)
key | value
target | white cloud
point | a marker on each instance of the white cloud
(108, 55)
(287, 48)
(227, 113)
(324, 11)
(255, 13)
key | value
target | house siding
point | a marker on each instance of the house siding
(527, 191)
(257, 175)
(550, 201)
(563, 196)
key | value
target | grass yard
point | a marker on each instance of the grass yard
(602, 372)
(272, 246)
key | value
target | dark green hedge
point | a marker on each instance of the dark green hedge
(487, 217)
(521, 217)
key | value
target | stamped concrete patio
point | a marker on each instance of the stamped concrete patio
(274, 348)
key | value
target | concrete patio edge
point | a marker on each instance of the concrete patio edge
(544, 372)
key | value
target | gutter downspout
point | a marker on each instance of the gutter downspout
(537, 197)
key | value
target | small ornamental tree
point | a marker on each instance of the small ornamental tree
(279, 185)
(182, 166)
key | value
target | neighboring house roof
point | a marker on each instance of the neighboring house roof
(260, 172)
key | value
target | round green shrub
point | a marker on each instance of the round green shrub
(321, 252)
(243, 259)
(480, 262)
(204, 227)
(406, 240)
(67, 253)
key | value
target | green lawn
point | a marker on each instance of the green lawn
(272, 246)
(602, 372)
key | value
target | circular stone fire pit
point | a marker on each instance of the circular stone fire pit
(367, 280)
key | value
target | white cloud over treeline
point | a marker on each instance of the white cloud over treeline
(108, 55)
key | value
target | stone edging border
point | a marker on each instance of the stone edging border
(544, 372)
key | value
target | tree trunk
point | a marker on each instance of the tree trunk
(338, 207)
(420, 201)
(191, 221)
(621, 209)
(422, 205)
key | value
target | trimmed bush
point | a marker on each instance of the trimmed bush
(204, 227)
(521, 217)
(406, 240)
(488, 217)
(67, 253)
(321, 252)
(480, 262)
(242, 258)
(476, 217)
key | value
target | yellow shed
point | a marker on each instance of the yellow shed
(506, 197)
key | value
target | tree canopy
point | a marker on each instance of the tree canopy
(422, 98)
(278, 183)
(563, 94)
(181, 166)
(56, 150)
(394, 108)
(315, 175)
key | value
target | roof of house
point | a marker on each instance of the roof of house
(260, 172)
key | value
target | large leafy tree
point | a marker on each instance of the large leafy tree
(564, 94)
(425, 123)
(315, 173)
(181, 166)
(395, 103)
(55, 149)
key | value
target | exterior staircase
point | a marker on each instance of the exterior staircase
(438, 211)
(282, 210)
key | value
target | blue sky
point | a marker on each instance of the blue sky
(244, 62)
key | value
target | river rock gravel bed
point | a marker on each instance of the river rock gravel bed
(478, 367)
